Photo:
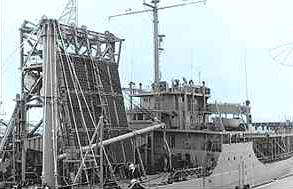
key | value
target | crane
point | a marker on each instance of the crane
(70, 13)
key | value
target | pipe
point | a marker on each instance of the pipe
(120, 138)
(50, 103)
(131, 134)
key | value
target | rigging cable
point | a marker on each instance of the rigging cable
(281, 54)
(66, 80)
(77, 86)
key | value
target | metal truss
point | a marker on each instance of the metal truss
(70, 13)
(37, 51)
(100, 46)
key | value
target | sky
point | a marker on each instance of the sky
(211, 42)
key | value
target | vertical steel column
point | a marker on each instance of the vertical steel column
(146, 151)
(185, 104)
(50, 92)
(156, 45)
(152, 150)
(204, 102)
(131, 93)
(22, 107)
(101, 125)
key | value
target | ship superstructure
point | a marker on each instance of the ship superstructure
(204, 138)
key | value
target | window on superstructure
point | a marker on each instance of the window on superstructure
(149, 141)
(188, 158)
(176, 103)
(189, 103)
(139, 116)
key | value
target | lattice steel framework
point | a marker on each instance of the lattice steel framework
(72, 75)
(70, 13)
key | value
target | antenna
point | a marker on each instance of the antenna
(245, 70)
(1, 51)
(191, 65)
(1, 61)
(199, 77)
(154, 8)
(70, 13)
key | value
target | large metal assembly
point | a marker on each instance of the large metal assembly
(70, 86)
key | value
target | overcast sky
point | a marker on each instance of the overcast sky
(213, 40)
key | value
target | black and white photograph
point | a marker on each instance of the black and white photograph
(146, 94)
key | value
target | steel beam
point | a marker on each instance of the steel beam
(22, 111)
(50, 94)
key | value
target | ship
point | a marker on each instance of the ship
(204, 145)
(210, 145)
(169, 137)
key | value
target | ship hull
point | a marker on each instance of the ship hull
(237, 167)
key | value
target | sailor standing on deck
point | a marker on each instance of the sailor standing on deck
(134, 176)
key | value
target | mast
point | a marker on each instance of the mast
(156, 42)
(156, 37)
(156, 46)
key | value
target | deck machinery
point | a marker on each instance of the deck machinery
(70, 82)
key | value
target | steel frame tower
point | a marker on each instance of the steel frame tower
(70, 76)
(65, 73)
